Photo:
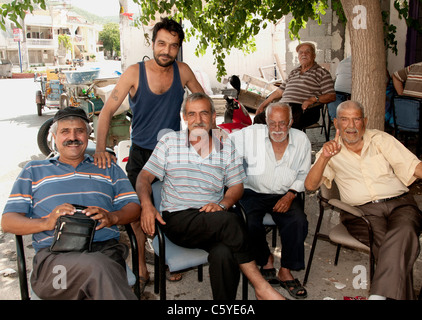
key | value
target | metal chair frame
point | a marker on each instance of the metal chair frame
(324, 126)
(324, 204)
(22, 271)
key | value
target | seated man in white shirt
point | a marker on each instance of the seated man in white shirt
(278, 158)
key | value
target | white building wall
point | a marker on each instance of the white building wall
(396, 62)
(268, 42)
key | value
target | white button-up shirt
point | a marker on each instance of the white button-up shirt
(265, 174)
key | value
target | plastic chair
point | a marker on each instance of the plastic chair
(407, 118)
(329, 199)
(176, 257)
(133, 275)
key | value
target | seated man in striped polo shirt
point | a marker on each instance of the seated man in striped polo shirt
(408, 81)
(195, 166)
(46, 190)
(306, 86)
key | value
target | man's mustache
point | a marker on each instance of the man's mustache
(165, 56)
(72, 142)
(199, 125)
(351, 130)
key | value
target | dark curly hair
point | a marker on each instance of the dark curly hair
(169, 25)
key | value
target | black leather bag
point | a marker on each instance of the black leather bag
(73, 232)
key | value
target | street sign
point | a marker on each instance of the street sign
(17, 34)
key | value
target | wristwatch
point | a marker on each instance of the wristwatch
(317, 98)
(293, 191)
(223, 206)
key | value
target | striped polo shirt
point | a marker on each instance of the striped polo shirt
(190, 181)
(42, 185)
(314, 82)
(412, 77)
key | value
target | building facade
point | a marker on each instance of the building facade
(37, 43)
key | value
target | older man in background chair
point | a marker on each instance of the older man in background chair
(306, 86)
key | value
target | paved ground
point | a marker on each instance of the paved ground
(326, 281)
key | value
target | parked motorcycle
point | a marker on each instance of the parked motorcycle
(236, 116)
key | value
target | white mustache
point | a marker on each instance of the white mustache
(352, 130)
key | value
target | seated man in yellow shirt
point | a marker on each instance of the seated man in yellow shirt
(372, 171)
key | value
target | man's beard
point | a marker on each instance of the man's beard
(162, 64)
(284, 136)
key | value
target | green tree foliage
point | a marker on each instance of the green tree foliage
(16, 10)
(110, 36)
(65, 41)
(228, 24)
(224, 25)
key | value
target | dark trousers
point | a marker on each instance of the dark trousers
(292, 226)
(138, 157)
(96, 275)
(301, 119)
(222, 234)
(396, 225)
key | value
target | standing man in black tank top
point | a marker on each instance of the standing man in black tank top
(156, 90)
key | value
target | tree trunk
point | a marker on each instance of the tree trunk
(365, 26)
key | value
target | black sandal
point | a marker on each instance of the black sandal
(270, 276)
(293, 287)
